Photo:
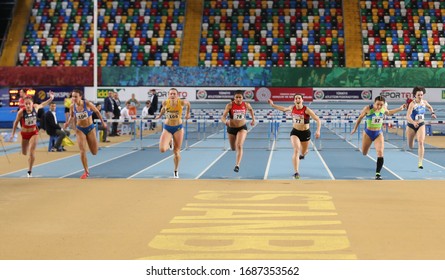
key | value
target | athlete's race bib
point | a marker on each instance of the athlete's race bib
(420, 117)
(31, 121)
(376, 120)
(298, 119)
(82, 115)
(172, 115)
(238, 116)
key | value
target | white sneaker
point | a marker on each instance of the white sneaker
(171, 145)
(29, 174)
(176, 174)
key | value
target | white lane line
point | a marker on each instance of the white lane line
(389, 170)
(269, 161)
(424, 159)
(375, 160)
(322, 161)
(211, 164)
(161, 161)
(100, 163)
(218, 158)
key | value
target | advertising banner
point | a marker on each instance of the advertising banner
(41, 93)
(210, 94)
(393, 95)
(341, 94)
(358, 77)
(186, 76)
(141, 93)
(48, 76)
(282, 94)
(4, 96)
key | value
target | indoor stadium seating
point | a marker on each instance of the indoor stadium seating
(403, 33)
(272, 33)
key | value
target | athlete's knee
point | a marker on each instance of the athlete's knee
(176, 153)
(163, 149)
(365, 151)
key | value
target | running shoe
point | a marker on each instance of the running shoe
(378, 176)
(85, 175)
(29, 174)
(236, 169)
(301, 157)
(171, 145)
(176, 174)
(296, 175)
(420, 165)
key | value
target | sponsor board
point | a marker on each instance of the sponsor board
(279, 94)
(260, 94)
(222, 94)
(341, 94)
(393, 94)
(4, 96)
(41, 93)
(141, 93)
(434, 95)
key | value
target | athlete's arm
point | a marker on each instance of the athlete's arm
(393, 111)
(433, 115)
(249, 107)
(161, 113)
(317, 120)
(98, 114)
(187, 109)
(278, 107)
(16, 122)
(408, 115)
(226, 111)
(71, 116)
(46, 102)
(360, 118)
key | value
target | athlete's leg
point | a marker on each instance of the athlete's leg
(232, 141)
(81, 141)
(410, 135)
(239, 143)
(304, 148)
(164, 141)
(379, 144)
(25, 146)
(421, 144)
(32, 143)
(296, 145)
(177, 144)
(92, 142)
(366, 144)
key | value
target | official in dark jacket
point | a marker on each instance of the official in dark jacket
(53, 128)
(154, 104)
